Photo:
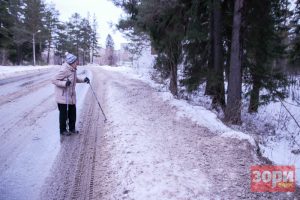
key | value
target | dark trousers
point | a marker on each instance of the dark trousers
(64, 115)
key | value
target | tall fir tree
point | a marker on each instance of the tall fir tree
(51, 27)
(16, 8)
(85, 37)
(94, 39)
(6, 37)
(34, 15)
(295, 44)
(73, 31)
(109, 51)
(264, 47)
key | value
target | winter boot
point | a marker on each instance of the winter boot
(65, 133)
(74, 131)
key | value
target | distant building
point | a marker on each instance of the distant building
(119, 57)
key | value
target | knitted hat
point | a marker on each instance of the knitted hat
(70, 58)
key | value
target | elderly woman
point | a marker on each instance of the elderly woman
(65, 83)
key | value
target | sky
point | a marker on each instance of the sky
(106, 14)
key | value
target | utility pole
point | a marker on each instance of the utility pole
(33, 45)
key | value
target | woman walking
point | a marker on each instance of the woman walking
(65, 94)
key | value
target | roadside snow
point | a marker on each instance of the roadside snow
(279, 141)
(198, 114)
(151, 147)
(279, 137)
(13, 71)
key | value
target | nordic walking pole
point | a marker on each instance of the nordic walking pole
(105, 119)
(67, 102)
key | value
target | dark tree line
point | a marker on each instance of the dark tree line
(21, 21)
(245, 44)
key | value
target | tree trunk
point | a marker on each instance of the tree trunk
(254, 97)
(19, 56)
(83, 60)
(209, 90)
(92, 56)
(233, 109)
(227, 67)
(48, 54)
(3, 59)
(77, 51)
(173, 56)
(219, 94)
(173, 79)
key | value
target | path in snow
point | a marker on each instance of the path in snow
(147, 152)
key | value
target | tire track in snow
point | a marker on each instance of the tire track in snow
(25, 90)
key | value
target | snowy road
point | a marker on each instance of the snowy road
(29, 135)
(145, 150)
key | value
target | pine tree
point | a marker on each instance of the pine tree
(51, 27)
(6, 23)
(74, 33)
(110, 46)
(165, 28)
(295, 52)
(94, 39)
(62, 42)
(197, 45)
(34, 14)
(85, 36)
(16, 8)
(264, 36)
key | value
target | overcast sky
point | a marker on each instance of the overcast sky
(105, 11)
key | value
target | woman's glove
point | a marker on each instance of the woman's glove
(68, 83)
(87, 80)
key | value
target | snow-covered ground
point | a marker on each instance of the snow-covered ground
(13, 71)
(277, 132)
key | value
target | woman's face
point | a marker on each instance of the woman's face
(74, 65)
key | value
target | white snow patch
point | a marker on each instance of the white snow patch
(12, 71)
(144, 165)
(279, 133)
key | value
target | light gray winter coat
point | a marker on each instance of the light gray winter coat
(61, 91)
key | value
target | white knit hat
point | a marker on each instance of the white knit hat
(70, 58)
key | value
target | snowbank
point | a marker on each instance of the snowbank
(279, 137)
(13, 71)
(198, 114)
